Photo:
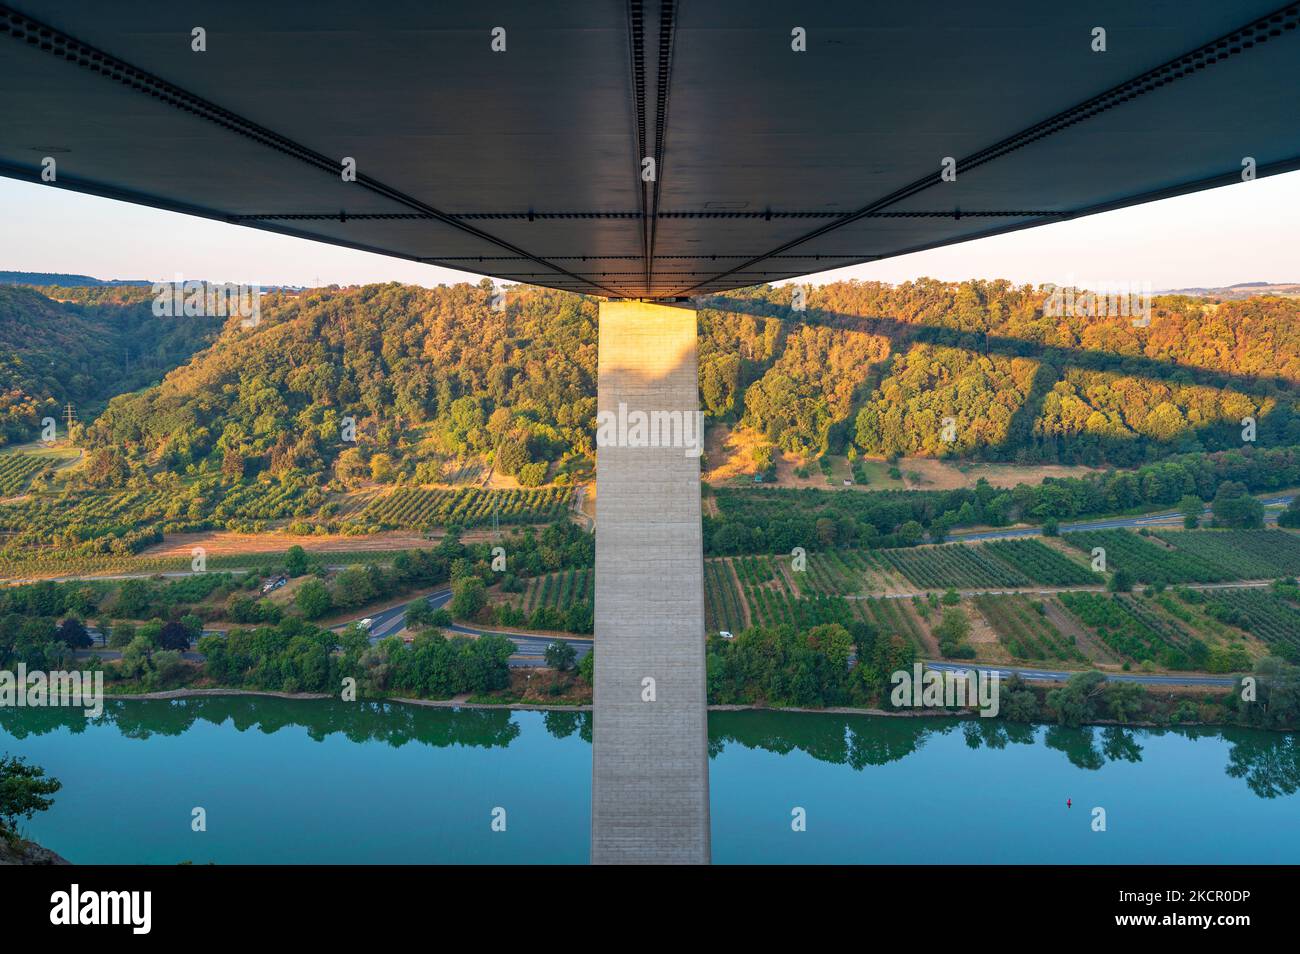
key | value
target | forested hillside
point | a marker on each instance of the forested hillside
(424, 375)
(883, 366)
(434, 372)
(337, 391)
(83, 345)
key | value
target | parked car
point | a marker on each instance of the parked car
(724, 634)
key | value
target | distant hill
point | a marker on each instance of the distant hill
(83, 345)
(64, 280)
(433, 374)
(1241, 290)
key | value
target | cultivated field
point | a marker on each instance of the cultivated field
(415, 509)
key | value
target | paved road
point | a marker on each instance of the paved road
(1148, 679)
(98, 644)
(1164, 518)
(149, 575)
(530, 650)
(1031, 590)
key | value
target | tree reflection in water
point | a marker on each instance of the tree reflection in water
(1268, 762)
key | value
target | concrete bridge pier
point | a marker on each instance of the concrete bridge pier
(650, 772)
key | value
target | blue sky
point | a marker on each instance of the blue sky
(1239, 233)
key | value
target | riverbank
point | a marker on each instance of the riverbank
(464, 703)
(307, 696)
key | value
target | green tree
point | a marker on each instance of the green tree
(25, 789)
(136, 658)
(560, 655)
(1191, 507)
(418, 613)
(952, 632)
(910, 533)
(313, 599)
(468, 596)
(1076, 702)
(511, 455)
(382, 468)
(167, 667)
(1234, 507)
(353, 587)
(1125, 700)
(133, 599)
(121, 635)
(295, 560)
(1019, 702)
(73, 632)
(533, 475)
(151, 632)
(174, 636)
(351, 467)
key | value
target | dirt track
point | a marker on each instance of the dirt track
(221, 542)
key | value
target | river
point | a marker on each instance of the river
(326, 781)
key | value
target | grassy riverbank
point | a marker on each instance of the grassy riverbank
(1085, 700)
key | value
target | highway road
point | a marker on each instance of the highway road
(1029, 590)
(530, 649)
(1164, 518)
(1048, 675)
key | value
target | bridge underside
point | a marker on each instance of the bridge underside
(784, 139)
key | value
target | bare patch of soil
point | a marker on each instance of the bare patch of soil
(945, 475)
(226, 542)
(730, 453)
